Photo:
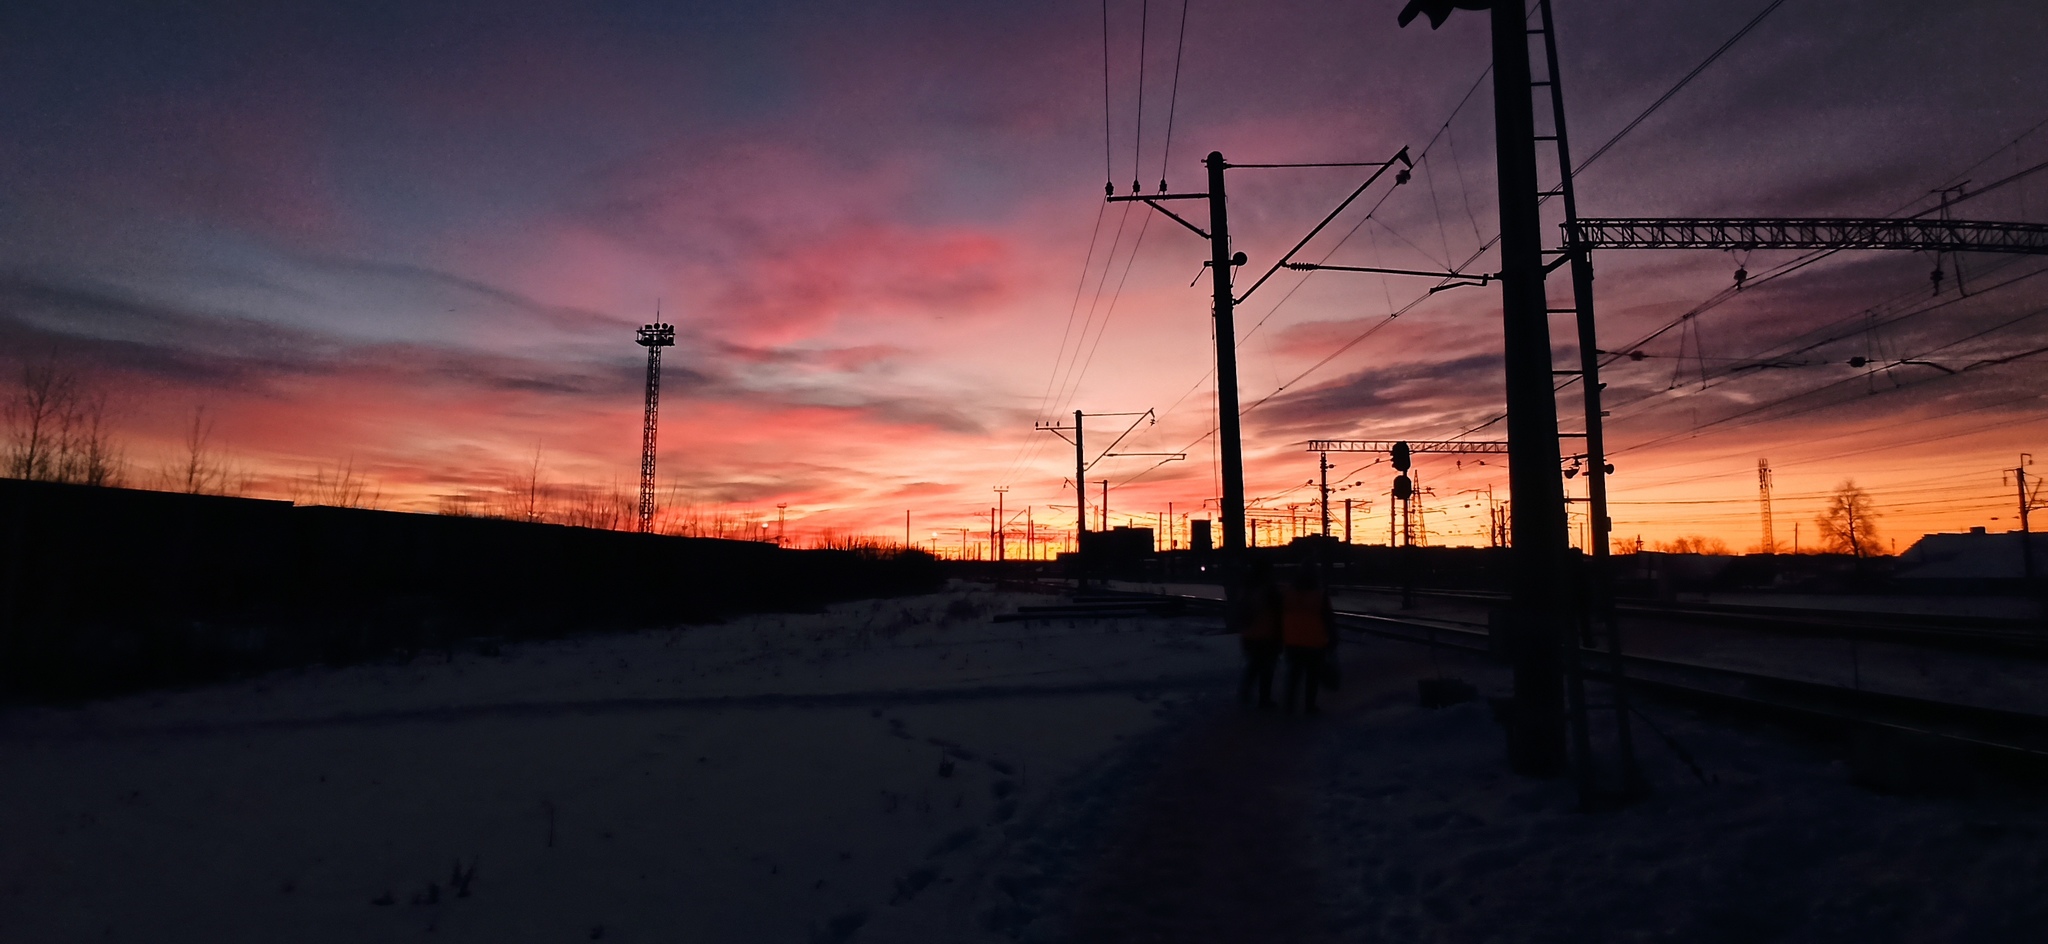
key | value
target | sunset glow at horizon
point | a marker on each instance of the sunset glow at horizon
(415, 245)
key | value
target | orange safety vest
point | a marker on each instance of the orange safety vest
(1303, 618)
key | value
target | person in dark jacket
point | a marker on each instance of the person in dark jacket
(1256, 615)
(1307, 629)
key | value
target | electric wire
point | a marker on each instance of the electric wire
(1674, 90)
(1029, 449)
(1108, 173)
(1138, 138)
(1173, 99)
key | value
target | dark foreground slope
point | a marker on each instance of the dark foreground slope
(104, 590)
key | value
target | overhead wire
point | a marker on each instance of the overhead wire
(1108, 173)
(1753, 410)
(1779, 357)
(1675, 89)
(1441, 132)
(1031, 445)
(1138, 138)
(1173, 99)
(1600, 151)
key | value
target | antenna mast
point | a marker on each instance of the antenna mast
(653, 337)
(1763, 497)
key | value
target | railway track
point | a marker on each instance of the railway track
(1959, 632)
(2009, 739)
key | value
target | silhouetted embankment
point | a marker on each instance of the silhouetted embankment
(104, 590)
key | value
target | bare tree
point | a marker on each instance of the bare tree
(200, 468)
(57, 429)
(593, 506)
(93, 457)
(525, 496)
(340, 487)
(1694, 544)
(534, 498)
(1849, 525)
(464, 505)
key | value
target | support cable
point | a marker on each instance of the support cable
(1138, 139)
(1674, 90)
(1947, 372)
(1173, 100)
(1068, 385)
(1113, 298)
(1108, 174)
(1027, 452)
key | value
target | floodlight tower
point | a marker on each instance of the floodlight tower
(653, 337)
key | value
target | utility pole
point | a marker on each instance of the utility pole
(1081, 473)
(995, 535)
(1849, 508)
(780, 508)
(1105, 504)
(1539, 624)
(1347, 521)
(2026, 509)
(653, 337)
(1223, 310)
(1080, 495)
(1222, 263)
(1326, 493)
(906, 528)
(1225, 303)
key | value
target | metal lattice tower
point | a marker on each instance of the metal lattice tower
(1763, 497)
(653, 337)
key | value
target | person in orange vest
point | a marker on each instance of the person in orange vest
(1307, 629)
(1256, 615)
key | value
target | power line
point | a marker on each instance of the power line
(1806, 393)
(1777, 358)
(1108, 174)
(1682, 83)
(1173, 101)
(1029, 450)
(1138, 139)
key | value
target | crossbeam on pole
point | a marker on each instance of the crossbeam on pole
(1453, 446)
(1810, 233)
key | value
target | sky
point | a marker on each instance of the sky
(413, 241)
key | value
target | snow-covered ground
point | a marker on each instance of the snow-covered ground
(768, 779)
(906, 770)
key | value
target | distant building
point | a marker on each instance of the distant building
(1976, 560)
(1117, 546)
